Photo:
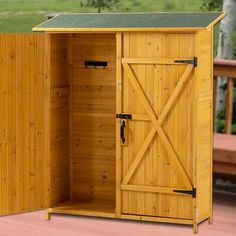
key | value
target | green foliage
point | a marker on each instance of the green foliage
(101, 4)
(211, 5)
(234, 43)
(220, 124)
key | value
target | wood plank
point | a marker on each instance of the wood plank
(112, 30)
(58, 92)
(161, 133)
(118, 110)
(153, 61)
(153, 189)
(22, 105)
(59, 121)
(93, 107)
(175, 93)
(139, 156)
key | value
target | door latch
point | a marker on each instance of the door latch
(124, 116)
(122, 132)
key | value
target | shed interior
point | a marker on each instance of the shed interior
(82, 117)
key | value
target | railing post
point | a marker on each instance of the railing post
(214, 103)
(229, 106)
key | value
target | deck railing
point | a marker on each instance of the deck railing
(226, 68)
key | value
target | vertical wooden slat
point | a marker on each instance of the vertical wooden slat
(229, 106)
(126, 107)
(70, 99)
(118, 110)
(46, 127)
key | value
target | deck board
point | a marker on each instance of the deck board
(225, 154)
(34, 224)
(225, 142)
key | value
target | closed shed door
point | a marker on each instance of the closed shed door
(157, 145)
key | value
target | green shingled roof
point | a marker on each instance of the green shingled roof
(128, 20)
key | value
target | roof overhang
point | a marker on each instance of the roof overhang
(121, 22)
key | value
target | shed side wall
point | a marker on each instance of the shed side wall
(59, 120)
(204, 122)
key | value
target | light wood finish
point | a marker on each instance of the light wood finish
(116, 30)
(153, 61)
(153, 189)
(149, 89)
(203, 87)
(93, 135)
(33, 223)
(118, 111)
(157, 124)
(23, 123)
(158, 219)
(88, 172)
(59, 121)
(214, 22)
(86, 208)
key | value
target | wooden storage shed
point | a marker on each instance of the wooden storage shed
(109, 115)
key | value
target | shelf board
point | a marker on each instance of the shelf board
(85, 208)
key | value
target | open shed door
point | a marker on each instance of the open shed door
(156, 124)
(22, 123)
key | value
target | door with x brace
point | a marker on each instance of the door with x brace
(156, 124)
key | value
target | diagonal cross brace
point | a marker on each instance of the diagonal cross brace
(157, 124)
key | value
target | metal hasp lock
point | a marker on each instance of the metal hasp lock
(123, 125)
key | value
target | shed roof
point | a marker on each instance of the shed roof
(127, 21)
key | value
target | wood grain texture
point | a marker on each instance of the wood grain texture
(150, 95)
(23, 123)
(34, 224)
(93, 109)
(204, 128)
(59, 121)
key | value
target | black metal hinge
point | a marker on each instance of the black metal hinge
(124, 116)
(192, 192)
(193, 62)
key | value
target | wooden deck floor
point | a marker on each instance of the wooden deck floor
(225, 154)
(34, 224)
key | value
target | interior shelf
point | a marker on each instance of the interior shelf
(87, 208)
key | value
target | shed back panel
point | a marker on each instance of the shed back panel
(92, 117)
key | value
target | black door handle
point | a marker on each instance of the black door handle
(122, 132)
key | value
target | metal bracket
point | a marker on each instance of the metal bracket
(124, 116)
(192, 192)
(193, 62)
